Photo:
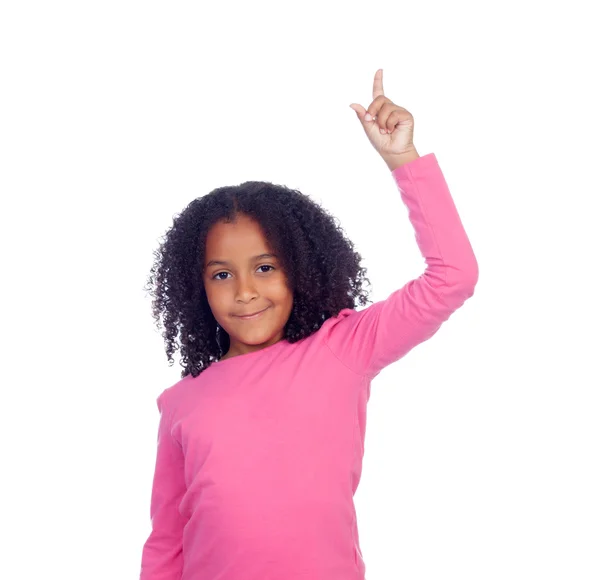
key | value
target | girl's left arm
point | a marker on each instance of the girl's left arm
(366, 341)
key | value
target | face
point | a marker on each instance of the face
(239, 280)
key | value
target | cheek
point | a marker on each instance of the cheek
(279, 291)
(216, 299)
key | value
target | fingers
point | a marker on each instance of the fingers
(381, 110)
(375, 110)
(376, 106)
(378, 84)
(393, 120)
(387, 118)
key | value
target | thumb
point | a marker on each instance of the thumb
(360, 111)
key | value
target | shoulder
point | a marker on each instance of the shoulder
(341, 315)
(174, 395)
(334, 323)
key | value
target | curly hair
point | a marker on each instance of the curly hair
(320, 263)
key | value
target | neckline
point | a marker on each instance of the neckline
(248, 355)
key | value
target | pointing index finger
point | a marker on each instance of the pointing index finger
(378, 84)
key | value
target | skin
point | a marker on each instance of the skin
(388, 127)
(244, 285)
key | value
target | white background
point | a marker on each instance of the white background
(482, 446)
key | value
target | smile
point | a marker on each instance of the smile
(254, 316)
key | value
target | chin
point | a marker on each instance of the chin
(257, 337)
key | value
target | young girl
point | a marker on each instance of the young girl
(260, 444)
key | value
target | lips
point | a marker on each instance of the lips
(253, 315)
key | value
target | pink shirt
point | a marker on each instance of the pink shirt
(259, 456)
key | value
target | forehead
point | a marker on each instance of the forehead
(239, 238)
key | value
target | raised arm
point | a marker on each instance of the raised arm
(368, 340)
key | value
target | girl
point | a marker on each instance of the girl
(260, 444)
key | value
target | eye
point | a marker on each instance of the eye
(263, 272)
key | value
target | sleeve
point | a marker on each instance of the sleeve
(366, 341)
(162, 554)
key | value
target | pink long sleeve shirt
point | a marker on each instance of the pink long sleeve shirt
(259, 456)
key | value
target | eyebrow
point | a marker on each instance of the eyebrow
(225, 263)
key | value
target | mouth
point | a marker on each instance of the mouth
(253, 316)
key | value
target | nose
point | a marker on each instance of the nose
(245, 289)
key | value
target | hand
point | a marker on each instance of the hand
(388, 126)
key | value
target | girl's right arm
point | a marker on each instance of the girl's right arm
(162, 554)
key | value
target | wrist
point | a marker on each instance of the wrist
(397, 160)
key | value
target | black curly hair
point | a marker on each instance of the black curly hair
(320, 264)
